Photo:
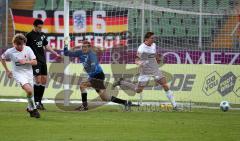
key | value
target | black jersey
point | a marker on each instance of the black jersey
(36, 40)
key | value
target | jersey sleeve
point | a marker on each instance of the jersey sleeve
(155, 49)
(45, 41)
(31, 54)
(140, 49)
(72, 53)
(6, 55)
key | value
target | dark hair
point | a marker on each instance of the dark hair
(148, 35)
(19, 39)
(87, 43)
(37, 22)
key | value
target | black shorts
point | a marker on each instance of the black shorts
(40, 69)
(97, 82)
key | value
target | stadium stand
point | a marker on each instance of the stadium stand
(39, 5)
(170, 24)
(51, 5)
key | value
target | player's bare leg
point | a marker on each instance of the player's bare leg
(104, 96)
(31, 104)
(169, 93)
(138, 88)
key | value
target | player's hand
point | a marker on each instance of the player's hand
(158, 58)
(59, 58)
(66, 41)
(58, 55)
(141, 63)
(158, 61)
(22, 61)
(9, 74)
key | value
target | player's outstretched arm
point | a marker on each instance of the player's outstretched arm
(52, 51)
(70, 53)
(77, 53)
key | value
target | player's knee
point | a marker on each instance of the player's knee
(165, 86)
(43, 81)
(139, 90)
(105, 99)
(82, 87)
(104, 96)
(37, 82)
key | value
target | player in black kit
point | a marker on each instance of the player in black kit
(37, 40)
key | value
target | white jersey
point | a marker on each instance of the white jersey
(15, 55)
(149, 68)
(147, 55)
(143, 48)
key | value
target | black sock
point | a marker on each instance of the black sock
(117, 100)
(41, 92)
(36, 93)
(84, 99)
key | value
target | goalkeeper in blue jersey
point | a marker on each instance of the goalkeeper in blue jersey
(89, 59)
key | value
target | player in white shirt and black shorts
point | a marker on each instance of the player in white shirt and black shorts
(147, 60)
(22, 59)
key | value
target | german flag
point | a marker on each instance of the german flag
(114, 21)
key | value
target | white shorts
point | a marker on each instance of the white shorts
(24, 79)
(143, 79)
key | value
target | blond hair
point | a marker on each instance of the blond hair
(19, 39)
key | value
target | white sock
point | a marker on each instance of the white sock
(170, 96)
(29, 107)
(31, 103)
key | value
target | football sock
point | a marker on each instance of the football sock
(117, 100)
(84, 99)
(41, 92)
(31, 103)
(37, 92)
(170, 96)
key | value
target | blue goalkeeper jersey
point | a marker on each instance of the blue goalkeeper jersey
(89, 61)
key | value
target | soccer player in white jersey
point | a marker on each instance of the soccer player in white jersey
(22, 58)
(147, 60)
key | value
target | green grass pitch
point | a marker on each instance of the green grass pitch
(109, 123)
